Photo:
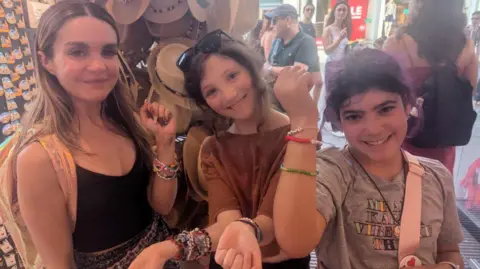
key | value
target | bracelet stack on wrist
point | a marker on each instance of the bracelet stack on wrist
(192, 245)
(254, 225)
(164, 171)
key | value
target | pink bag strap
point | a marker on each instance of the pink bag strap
(412, 209)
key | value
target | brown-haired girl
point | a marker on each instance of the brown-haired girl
(241, 164)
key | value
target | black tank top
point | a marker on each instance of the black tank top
(111, 209)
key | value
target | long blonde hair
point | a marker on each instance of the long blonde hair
(53, 111)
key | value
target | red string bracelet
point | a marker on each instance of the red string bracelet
(303, 140)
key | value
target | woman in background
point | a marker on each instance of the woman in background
(429, 39)
(336, 34)
(267, 37)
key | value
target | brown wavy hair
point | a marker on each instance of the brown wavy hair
(245, 57)
(52, 110)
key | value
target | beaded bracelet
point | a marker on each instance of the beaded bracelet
(165, 172)
(299, 130)
(192, 245)
(298, 171)
(303, 140)
(159, 166)
(254, 225)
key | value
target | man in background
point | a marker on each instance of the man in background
(307, 25)
(295, 47)
(473, 33)
(473, 30)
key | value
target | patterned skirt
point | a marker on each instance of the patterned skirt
(123, 256)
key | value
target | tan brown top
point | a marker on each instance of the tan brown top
(242, 174)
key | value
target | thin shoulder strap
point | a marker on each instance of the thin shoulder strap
(412, 209)
(64, 166)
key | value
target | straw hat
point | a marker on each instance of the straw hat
(126, 11)
(218, 18)
(166, 11)
(197, 184)
(168, 81)
(177, 28)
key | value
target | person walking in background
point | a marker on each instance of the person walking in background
(473, 30)
(335, 41)
(307, 26)
(296, 47)
(267, 36)
(473, 33)
(471, 182)
(424, 43)
(254, 38)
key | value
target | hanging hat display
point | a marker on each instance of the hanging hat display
(166, 11)
(126, 11)
(221, 15)
(135, 41)
(187, 27)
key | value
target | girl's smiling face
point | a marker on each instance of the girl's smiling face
(375, 123)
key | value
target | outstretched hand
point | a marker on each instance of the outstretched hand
(238, 248)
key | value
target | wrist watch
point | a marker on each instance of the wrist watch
(454, 266)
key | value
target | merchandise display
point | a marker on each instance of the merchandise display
(18, 85)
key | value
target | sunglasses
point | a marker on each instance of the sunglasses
(210, 43)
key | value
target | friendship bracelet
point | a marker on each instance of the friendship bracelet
(166, 177)
(303, 140)
(298, 171)
(192, 245)
(165, 172)
(254, 225)
(299, 130)
(159, 166)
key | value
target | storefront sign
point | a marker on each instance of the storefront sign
(358, 10)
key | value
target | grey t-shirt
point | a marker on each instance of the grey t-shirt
(360, 232)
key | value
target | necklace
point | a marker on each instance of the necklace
(397, 221)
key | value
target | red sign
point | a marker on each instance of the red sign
(358, 10)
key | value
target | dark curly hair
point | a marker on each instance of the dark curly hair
(245, 57)
(363, 70)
